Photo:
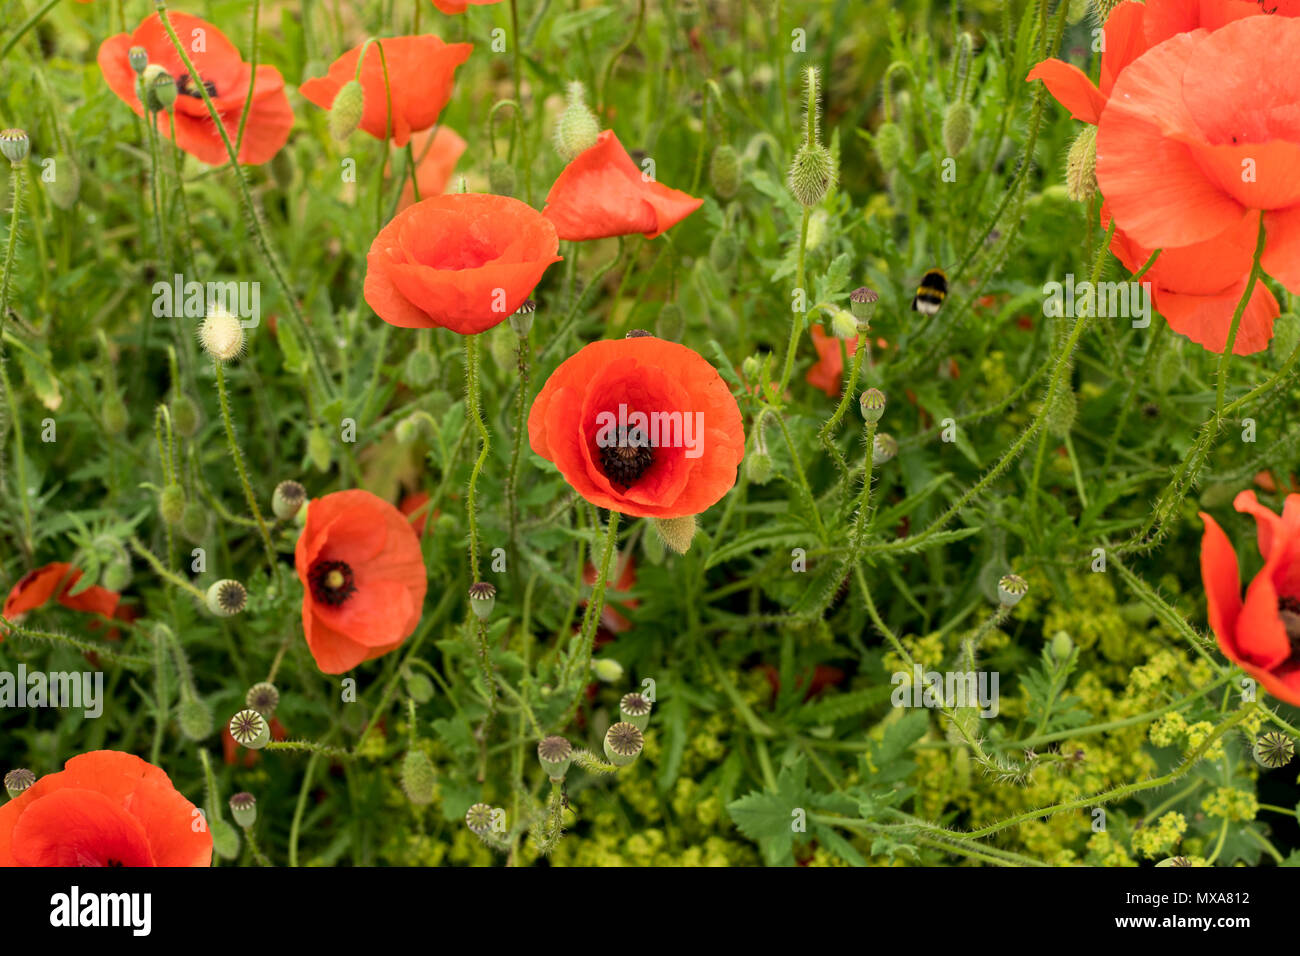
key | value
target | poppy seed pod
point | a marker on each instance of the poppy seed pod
(221, 335)
(1175, 861)
(1274, 749)
(138, 58)
(263, 698)
(226, 598)
(635, 709)
(521, 320)
(158, 88)
(501, 178)
(884, 447)
(479, 819)
(250, 729)
(578, 127)
(862, 303)
(623, 743)
(418, 777)
(17, 781)
(677, 533)
(194, 717)
(1081, 166)
(724, 171)
(482, 598)
(555, 754)
(14, 145)
(171, 503)
(243, 807)
(287, 498)
(1011, 588)
(958, 119)
(872, 404)
(347, 109)
(812, 174)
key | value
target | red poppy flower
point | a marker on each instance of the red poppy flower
(105, 808)
(827, 373)
(226, 77)
(363, 578)
(1262, 635)
(602, 193)
(436, 154)
(54, 581)
(421, 70)
(680, 461)
(463, 262)
(460, 6)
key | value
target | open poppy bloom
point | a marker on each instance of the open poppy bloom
(1261, 635)
(464, 262)
(1196, 284)
(436, 154)
(602, 193)
(104, 808)
(641, 426)
(53, 582)
(226, 78)
(359, 562)
(421, 70)
(460, 6)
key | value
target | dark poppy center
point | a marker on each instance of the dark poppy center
(625, 462)
(331, 582)
(1288, 609)
(185, 88)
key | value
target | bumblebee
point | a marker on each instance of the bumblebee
(931, 292)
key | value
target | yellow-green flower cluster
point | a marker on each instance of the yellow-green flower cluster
(1160, 838)
(1231, 804)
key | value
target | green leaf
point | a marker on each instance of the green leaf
(767, 817)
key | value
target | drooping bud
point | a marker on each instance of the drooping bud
(1062, 646)
(171, 503)
(250, 729)
(670, 323)
(889, 146)
(158, 88)
(677, 533)
(758, 467)
(346, 110)
(114, 414)
(482, 598)
(872, 404)
(555, 754)
(263, 697)
(1274, 749)
(724, 171)
(287, 498)
(958, 119)
(185, 415)
(194, 717)
(884, 447)
(635, 709)
(221, 335)
(1081, 166)
(843, 324)
(116, 575)
(194, 521)
(226, 598)
(862, 303)
(16, 781)
(1011, 588)
(607, 669)
(138, 58)
(501, 178)
(623, 743)
(418, 687)
(243, 807)
(521, 320)
(812, 174)
(418, 777)
(14, 145)
(578, 127)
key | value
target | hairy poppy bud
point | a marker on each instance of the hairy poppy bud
(116, 575)
(723, 251)
(578, 127)
(194, 522)
(138, 57)
(418, 777)
(862, 303)
(282, 168)
(623, 743)
(243, 807)
(1169, 366)
(758, 467)
(66, 185)
(194, 717)
(114, 415)
(607, 669)
(677, 533)
(724, 171)
(521, 320)
(555, 754)
(635, 709)
(16, 781)
(1081, 166)
(670, 323)
(14, 145)
(420, 368)
(884, 447)
(889, 146)
(171, 503)
(318, 449)
(158, 88)
(1062, 646)
(225, 839)
(482, 598)
(226, 598)
(501, 178)
(957, 121)
(1274, 749)
(1011, 588)
(185, 415)
(250, 729)
(872, 404)
(221, 335)
(288, 497)
(843, 324)
(418, 687)
(345, 113)
(263, 698)
(812, 174)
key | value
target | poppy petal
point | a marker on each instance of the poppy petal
(1070, 87)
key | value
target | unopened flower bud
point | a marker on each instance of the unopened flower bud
(225, 839)
(670, 323)
(16, 781)
(677, 533)
(635, 709)
(723, 251)
(194, 717)
(287, 498)
(418, 777)
(185, 415)
(843, 324)
(482, 598)
(243, 807)
(116, 575)
(623, 743)
(226, 598)
(14, 145)
(221, 335)
(138, 58)
(862, 303)
(758, 467)
(1011, 588)
(346, 110)
(521, 320)
(889, 146)
(884, 447)
(555, 754)
(578, 127)
(1274, 749)
(158, 88)
(263, 697)
(812, 174)
(250, 729)
(1062, 646)
(501, 178)
(194, 521)
(958, 119)
(171, 503)
(420, 368)
(418, 687)
(607, 669)
(872, 404)
(1081, 166)
(724, 171)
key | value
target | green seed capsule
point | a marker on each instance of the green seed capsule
(243, 807)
